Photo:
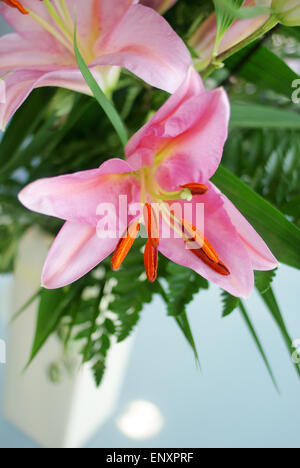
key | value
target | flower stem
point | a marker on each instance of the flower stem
(267, 26)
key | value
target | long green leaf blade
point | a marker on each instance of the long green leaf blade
(256, 116)
(106, 105)
(258, 343)
(272, 304)
(263, 68)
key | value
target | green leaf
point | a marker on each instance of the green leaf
(49, 315)
(131, 291)
(257, 341)
(26, 305)
(183, 284)
(230, 303)
(106, 105)
(184, 325)
(93, 325)
(256, 116)
(47, 136)
(226, 13)
(271, 303)
(24, 122)
(99, 371)
(282, 236)
(264, 280)
(252, 12)
(263, 68)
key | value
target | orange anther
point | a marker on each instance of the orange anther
(16, 4)
(125, 245)
(152, 225)
(196, 189)
(151, 261)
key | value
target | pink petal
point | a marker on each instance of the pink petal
(187, 134)
(159, 5)
(195, 154)
(29, 29)
(96, 18)
(75, 251)
(260, 255)
(77, 197)
(18, 53)
(203, 39)
(224, 238)
(146, 136)
(19, 85)
(144, 43)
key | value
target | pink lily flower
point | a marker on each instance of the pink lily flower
(203, 40)
(159, 5)
(171, 159)
(111, 34)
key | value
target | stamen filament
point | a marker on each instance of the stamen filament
(51, 30)
(65, 15)
(53, 13)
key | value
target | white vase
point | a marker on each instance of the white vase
(62, 415)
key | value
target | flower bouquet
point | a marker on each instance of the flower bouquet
(159, 152)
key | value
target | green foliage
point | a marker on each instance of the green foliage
(183, 285)
(272, 305)
(254, 335)
(264, 280)
(103, 101)
(230, 303)
(250, 64)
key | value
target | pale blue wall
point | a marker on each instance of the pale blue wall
(233, 404)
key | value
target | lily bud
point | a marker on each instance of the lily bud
(203, 40)
(287, 11)
(159, 5)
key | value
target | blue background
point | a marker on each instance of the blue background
(233, 403)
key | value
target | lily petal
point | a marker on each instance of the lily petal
(203, 40)
(19, 84)
(77, 197)
(159, 5)
(96, 17)
(151, 135)
(187, 137)
(224, 238)
(29, 29)
(75, 251)
(17, 53)
(144, 43)
(260, 254)
(195, 154)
